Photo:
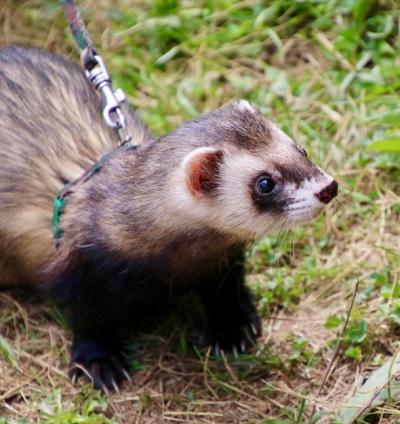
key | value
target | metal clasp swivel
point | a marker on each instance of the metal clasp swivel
(112, 100)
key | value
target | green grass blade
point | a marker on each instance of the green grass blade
(389, 145)
(376, 390)
(7, 351)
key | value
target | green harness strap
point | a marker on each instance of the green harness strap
(60, 201)
(58, 209)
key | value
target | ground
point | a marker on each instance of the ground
(329, 73)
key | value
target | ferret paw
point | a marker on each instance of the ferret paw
(104, 365)
(233, 337)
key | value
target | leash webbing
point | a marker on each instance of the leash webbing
(96, 73)
(79, 32)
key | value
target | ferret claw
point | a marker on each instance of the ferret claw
(235, 352)
(115, 386)
(104, 389)
(254, 329)
(242, 347)
(126, 375)
(74, 377)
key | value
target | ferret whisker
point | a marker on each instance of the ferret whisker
(291, 133)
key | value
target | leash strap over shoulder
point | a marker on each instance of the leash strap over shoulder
(97, 73)
(60, 201)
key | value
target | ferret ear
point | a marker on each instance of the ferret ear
(201, 168)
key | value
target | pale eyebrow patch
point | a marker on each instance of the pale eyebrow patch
(302, 150)
(244, 106)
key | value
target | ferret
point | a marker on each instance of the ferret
(171, 216)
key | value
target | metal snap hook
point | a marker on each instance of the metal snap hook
(112, 100)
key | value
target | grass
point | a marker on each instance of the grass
(329, 73)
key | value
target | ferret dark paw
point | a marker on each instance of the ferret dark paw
(103, 364)
(234, 337)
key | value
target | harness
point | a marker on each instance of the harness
(97, 74)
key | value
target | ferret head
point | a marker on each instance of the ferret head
(245, 177)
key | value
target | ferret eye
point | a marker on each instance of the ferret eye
(265, 185)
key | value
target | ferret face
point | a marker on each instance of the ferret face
(251, 179)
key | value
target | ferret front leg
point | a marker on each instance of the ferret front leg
(232, 322)
(94, 314)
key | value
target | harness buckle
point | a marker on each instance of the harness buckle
(112, 100)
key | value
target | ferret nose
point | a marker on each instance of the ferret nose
(328, 193)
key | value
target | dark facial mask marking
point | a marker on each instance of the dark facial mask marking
(273, 202)
(298, 171)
